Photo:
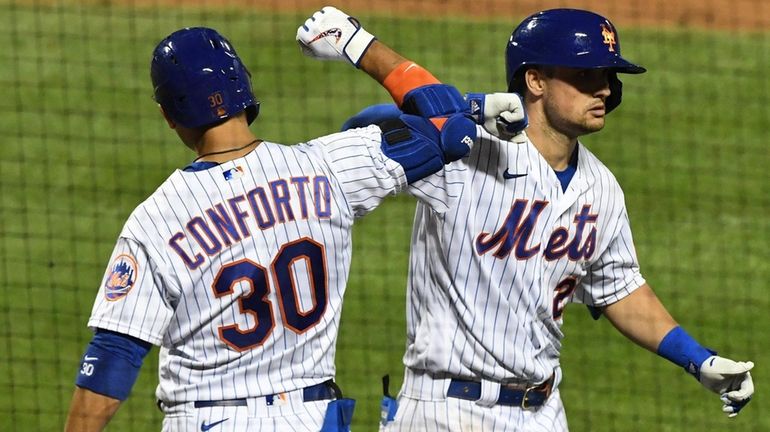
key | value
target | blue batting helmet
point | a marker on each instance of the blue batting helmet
(199, 80)
(568, 38)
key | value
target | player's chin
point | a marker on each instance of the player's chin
(593, 124)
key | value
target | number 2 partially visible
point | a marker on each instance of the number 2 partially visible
(562, 292)
(255, 301)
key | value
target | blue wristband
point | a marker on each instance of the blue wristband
(681, 349)
(111, 364)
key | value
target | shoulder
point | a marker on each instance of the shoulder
(154, 208)
(596, 172)
(371, 133)
(353, 148)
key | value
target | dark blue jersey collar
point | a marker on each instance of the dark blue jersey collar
(199, 166)
(565, 177)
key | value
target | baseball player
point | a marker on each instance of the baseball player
(538, 222)
(236, 265)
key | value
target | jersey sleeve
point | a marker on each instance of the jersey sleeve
(132, 299)
(366, 175)
(615, 274)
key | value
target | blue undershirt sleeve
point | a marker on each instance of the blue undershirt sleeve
(374, 114)
(111, 363)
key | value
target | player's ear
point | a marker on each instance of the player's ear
(170, 122)
(534, 80)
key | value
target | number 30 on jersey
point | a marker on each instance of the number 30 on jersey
(256, 302)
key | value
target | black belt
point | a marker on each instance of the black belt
(323, 391)
(524, 397)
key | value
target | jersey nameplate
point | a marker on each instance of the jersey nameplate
(231, 221)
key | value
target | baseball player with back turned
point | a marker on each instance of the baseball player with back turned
(236, 265)
(539, 222)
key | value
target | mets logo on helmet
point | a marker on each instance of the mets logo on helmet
(609, 37)
(121, 278)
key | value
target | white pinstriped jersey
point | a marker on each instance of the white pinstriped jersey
(238, 271)
(489, 278)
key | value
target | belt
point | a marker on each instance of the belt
(510, 394)
(322, 391)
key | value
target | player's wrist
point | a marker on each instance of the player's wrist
(358, 44)
(681, 349)
(501, 114)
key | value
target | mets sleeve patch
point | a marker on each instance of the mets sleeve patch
(121, 278)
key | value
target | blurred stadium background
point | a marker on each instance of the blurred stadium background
(83, 144)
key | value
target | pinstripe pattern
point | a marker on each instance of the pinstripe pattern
(309, 191)
(483, 309)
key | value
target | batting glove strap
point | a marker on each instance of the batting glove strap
(358, 44)
(476, 105)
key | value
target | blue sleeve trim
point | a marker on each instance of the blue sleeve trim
(111, 364)
(199, 166)
(681, 349)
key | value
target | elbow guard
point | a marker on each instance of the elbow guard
(435, 100)
(420, 148)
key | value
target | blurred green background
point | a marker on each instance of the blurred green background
(83, 144)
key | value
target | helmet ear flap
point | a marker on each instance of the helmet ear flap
(517, 84)
(252, 111)
(616, 93)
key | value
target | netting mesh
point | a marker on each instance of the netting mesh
(83, 144)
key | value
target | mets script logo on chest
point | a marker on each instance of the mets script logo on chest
(516, 232)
